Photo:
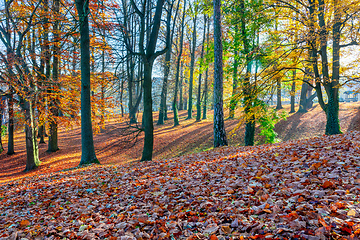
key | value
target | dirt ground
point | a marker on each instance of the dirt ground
(190, 137)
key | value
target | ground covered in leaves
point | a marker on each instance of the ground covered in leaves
(190, 137)
(305, 189)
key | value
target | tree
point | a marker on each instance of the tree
(178, 68)
(219, 126)
(87, 143)
(169, 39)
(192, 62)
(198, 101)
(19, 76)
(324, 22)
(148, 56)
(53, 134)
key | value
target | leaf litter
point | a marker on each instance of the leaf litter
(306, 189)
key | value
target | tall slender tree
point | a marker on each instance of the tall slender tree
(219, 125)
(178, 67)
(88, 155)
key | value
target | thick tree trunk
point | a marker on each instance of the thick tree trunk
(147, 115)
(219, 126)
(41, 133)
(250, 117)
(87, 142)
(247, 88)
(332, 113)
(192, 68)
(11, 126)
(53, 134)
(32, 150)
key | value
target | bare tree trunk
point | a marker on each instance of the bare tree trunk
(148, 61)
(192, 68)
(32, 150)
(53, 134)
(198, 103)
(11, 126)
(178, 68)
(88, 155)
(1, 118)
(293, 93)
(206, 84)
(181, 101)
(278, 94)
(169, 39)
(219, 126)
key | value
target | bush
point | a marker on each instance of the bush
(267, 120)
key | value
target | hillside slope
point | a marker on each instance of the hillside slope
(189, 137)
(303, 189)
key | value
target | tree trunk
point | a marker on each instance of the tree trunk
(278, 94)
(32, 150)
(198, 103)
(206, 84)
(247, 88)
(192, 68)
(178, 63)
(87, 142)
(53, 134)
(293, 93)
(147, 115)
(332, 113)
(1, 118)
(11, 126)
(219, 126)
(163, 98)
(148, 61)
(233, 101)
(181, 101)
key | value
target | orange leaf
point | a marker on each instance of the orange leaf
(213, 237)
(24, 223)
(328, 184)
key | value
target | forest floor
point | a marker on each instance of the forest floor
(304, 189)
(189, 137)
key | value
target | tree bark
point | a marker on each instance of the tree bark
(87, 142)
(178, 63)
(10, 150)
(192, 68)
(181, 100)
(163, 96)
(332, 114)
(278, 94)
(206, 84)
(198, 103)
(1, 117)
(247, 88)
(293, 93)
(32, 150)
(233, 101)
(53, 134)
(148, 124)
(219, 126)
(148, 61)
